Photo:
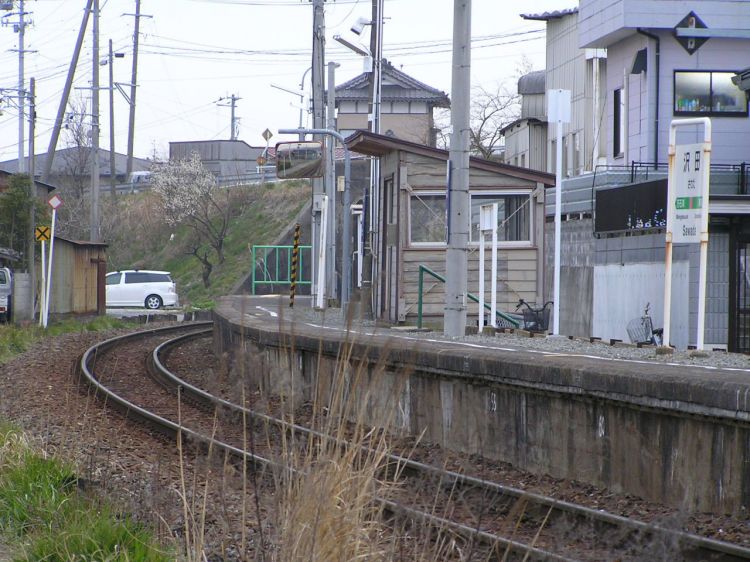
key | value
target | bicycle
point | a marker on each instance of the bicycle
(641, 330)
(535, 319)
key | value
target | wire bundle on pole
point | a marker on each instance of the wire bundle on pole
(295, 255)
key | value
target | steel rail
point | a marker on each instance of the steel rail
(690, 543)
(136, 413)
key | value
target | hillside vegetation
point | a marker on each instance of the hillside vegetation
(140, 238)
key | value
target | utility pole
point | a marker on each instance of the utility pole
(318, 107)
(231, 102)
(94, 226)
(456, 256)
(332, 277)
(373, 125)
(31, 242)
(20, 28)
(21, 83)
(112, 172)
(131, 120)
(66, 93)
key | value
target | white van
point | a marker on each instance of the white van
(137, 178)
(134, 287)
(6, 285)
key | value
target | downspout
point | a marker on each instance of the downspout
(656, 116)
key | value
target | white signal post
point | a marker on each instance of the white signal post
(687, 211)
(55, 202)
(488, 223)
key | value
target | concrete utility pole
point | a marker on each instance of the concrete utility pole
(331, 280)
(131, 120)
(21, 83)
(66, 93)
(318, 107)
(20, 28)
(456, 256)
(234, 121)
(94, 226)
(31, 242)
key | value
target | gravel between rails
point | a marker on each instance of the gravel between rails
(196, 363)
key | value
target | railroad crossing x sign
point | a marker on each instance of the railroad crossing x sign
(41, 233)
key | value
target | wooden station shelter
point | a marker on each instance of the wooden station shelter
(79, 269)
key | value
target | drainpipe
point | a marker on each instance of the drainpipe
(656, 116)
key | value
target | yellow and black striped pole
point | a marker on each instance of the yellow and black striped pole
(295, 256)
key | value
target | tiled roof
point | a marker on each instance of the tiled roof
(397, 86)
(546, 16)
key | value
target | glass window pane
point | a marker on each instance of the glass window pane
(427, 218)
(513, 216)
(726, 96)
(692, 91)
(114, 279)
(3, 278)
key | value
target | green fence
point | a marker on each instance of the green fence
(503, 318)
(272, 266)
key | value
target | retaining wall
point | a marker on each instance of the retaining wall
(676, 435)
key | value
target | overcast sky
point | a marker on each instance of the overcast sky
(193, 52)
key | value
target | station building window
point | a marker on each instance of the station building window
(513, 216)
(427, 219)
(708, 93)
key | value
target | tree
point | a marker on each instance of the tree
(190, 196)
(15, 207)
(490, 111)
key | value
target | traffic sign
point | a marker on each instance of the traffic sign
(55, 202)
(42, 233)
(261, 160)
(267, 135)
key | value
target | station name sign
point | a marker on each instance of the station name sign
(688, 194)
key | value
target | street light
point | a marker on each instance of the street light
(301, 95)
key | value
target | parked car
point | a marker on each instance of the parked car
(133, 287)
(6, 283)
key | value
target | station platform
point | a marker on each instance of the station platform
(674, 429)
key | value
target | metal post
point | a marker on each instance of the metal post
(456, 256)
(346, 235)
(66, 93)
(558, 228)
(420, 290)
(43, 291)
(295, 260)
(131, 119)
(493, 303)
(49, 267)
(112, 171)
(322, 253)
(94, 226)
(31, 244)
(480, 309)
(330, 186)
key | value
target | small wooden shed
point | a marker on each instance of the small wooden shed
(411, 227)
(79, 269)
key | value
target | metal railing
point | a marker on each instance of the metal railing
(274, 264)
(504, 318)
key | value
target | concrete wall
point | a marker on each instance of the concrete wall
(631, 430)
(20, 309)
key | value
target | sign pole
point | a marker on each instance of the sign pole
(493, 287)
(687, 212)
(55, 202)
(480, 318)
(42, 293)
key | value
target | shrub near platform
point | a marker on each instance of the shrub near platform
(42, 509)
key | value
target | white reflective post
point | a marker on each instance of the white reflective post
(43, 292)
(322, 254)
(493, 288)
(487, 223)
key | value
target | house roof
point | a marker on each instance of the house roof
(517, 121)
(532, 83)
(10, 255)
(43, 185)
(81, 242)
(397, 86)
(365, 142)
(59, 163)
(554, 15)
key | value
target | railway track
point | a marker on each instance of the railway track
(498, 520)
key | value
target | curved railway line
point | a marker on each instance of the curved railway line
(504, 520)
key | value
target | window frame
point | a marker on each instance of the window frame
(429, 193)
(712, 112)
(618, 131)
(474, 233)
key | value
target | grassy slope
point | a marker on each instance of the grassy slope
(268, 211)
